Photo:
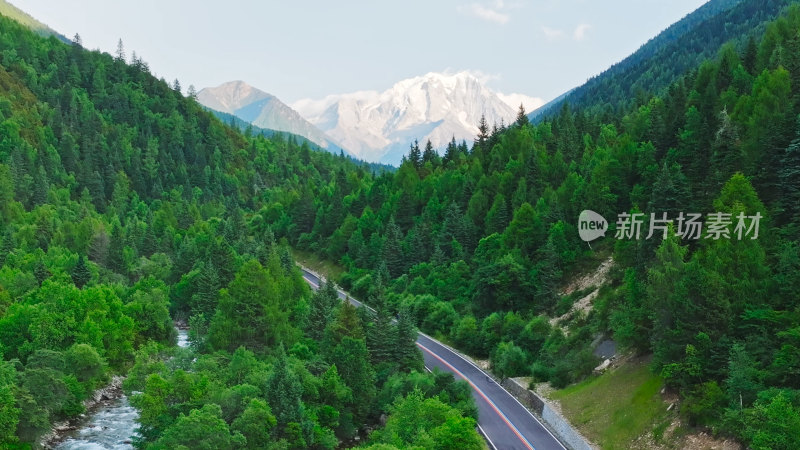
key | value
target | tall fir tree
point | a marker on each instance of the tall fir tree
(81, 274)
(284, 392)
(789, 174)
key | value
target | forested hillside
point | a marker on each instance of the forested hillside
(126, 205)
(666, 57)
(479, 242)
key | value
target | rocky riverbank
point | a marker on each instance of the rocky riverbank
(100, 398)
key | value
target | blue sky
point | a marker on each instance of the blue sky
(300, 49)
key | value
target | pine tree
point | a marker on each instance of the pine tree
(522, 117)
(204, 300)
(750, 55)
(149, 243)
(284, 392)
(438, 257)
(497, 217)
(252, 311)
(692, 152)
(380, 278)
(789, 174)
(393, 251)
(381, 335)
(405, 212)
(6, 247)
(569, 142)
(415, 156)
(417, 245)
(670, 191)
(662, 279)
(520, 195)
(321, 309)
(120, 53)
(351, 358)
(430, 155)
(406, 352)
(483, 133)
(6, 190)
(453, 233)
(40, 271)
(549, 268)
(451, 152)
(744, 378)
(346, 323)
(116, 260)
(526, 231)
(335, 394)
(726, 155)
(81, 274)
(40, 187)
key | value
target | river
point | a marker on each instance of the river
(112, 426)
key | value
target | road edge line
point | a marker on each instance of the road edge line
(470, 362)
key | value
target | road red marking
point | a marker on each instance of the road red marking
(477, 389)
(485, 397)
(310, 282)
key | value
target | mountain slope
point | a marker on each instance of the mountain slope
(262, 110)
(663, 59)
(249, 129)
(11, 11)
(379, 126)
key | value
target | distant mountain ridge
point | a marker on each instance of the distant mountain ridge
(380, 126)
(663, 59)
(263, 110)
(11, 11)
(248, 128)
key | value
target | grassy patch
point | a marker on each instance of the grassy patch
(617, 407)
(320, 265)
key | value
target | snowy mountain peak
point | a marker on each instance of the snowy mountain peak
(379, 126)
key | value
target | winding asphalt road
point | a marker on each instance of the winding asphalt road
(503, 421)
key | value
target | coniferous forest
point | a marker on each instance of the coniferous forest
(126, 206)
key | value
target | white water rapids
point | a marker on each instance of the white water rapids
(112, 426)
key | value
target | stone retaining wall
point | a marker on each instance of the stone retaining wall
(552, 419)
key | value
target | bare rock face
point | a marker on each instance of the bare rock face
(263, 110)
(603, 366)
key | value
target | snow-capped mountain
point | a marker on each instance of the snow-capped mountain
(262, 110)
(380, 126)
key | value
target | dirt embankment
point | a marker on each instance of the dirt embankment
(591, 281)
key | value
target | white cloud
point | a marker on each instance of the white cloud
(578, 34)
(483, 77)
(580, 31)
(552, 34)
(488, 13)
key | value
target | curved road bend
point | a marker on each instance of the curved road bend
(504, 422)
